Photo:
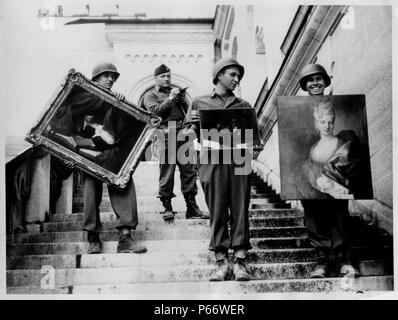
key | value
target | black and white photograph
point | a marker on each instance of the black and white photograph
(98, 202)
(323, 148)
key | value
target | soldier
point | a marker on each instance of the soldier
(227, 193)
(327, 220)
(170, 104)
(123, 201)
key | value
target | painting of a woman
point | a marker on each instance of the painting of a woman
(334, 165)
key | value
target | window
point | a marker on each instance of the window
(235, 48)
(260, 46)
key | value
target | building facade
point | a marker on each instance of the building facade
(353, 43)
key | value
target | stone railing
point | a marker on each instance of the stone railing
(311, 26)
(34, 190)
(266, 165)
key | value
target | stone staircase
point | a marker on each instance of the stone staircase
(178, 260)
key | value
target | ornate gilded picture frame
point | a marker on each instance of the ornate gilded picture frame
(89, 128)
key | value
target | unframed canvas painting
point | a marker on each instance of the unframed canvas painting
(324, 148)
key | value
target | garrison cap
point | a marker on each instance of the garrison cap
(161, 69)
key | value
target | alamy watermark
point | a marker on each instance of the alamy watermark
(47, 280)
(217, 146)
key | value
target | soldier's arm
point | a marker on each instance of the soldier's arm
(192, 114)
(154, 106)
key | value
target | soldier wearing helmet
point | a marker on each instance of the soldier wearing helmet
(227, 194)
(110, 130)
(327, 220)
(315, 77)
(106, 74)
(104, 67)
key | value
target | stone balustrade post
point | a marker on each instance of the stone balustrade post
(38, 203)
(65, 201)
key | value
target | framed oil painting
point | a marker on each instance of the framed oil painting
(235, 128)
(324, 147)
(88, 127)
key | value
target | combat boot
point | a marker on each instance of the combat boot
(221, 272)
(168, 214)
(94, 243)
(193, 211)
(240, 270)
(126, 244)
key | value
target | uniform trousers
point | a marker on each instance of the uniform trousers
(188, 174)
(227, 196)
(327, 222)
(123, 202)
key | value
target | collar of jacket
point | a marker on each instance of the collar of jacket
(214, 94)
(162, 89)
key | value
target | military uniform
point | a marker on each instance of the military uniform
(118, 123)
(123, 202)
(327, 220)
(157, 102)
(227, 194)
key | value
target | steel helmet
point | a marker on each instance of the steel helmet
(311, 69)
(223, 63)
(104, 67)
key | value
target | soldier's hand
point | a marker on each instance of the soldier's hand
(173, 93)
(119, 96)
(194, 115)
(155, 122)
(69, 164)
(181, 96)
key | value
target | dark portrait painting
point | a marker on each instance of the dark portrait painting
(94, 129)
(324, 147)
(236, 121)
(86, 126)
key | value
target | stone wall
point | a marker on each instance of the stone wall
(358, 55)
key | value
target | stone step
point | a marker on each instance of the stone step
(150, 199)
(169, 231)
(97, 276)
(162, 258)
(205, 289)
(261, 189)
(145, 224)
(152, 222)
(278, 232)
(110, 215)
(264, 195)
(281, 243)
(280, 205)
(75, 247)
(155, 205)
(266, 200)
(190, 256)
(276, 212)
(345, 288)
(141, 207)
(260, 184)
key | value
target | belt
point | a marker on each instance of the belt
(178, 123)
